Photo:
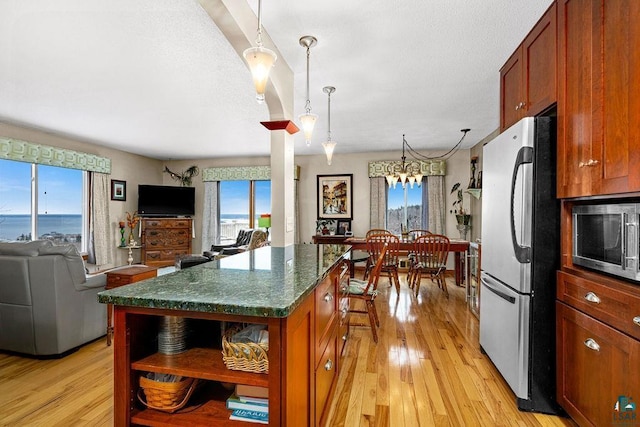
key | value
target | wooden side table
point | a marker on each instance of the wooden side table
(125, 276)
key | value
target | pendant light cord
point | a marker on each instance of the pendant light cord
(259, 39)
(329, 116)
(308, 104)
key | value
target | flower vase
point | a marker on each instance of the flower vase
(122, 242)
(462, 229)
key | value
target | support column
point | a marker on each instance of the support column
(282, 182)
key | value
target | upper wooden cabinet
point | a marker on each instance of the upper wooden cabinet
(528, 78)
(598, 106)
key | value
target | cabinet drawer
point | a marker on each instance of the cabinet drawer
(326, 305)
(613, 306)
(597, 366)
(166, 223)
(325, 376)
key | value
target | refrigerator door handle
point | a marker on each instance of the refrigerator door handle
(523, 253)
(502, 295)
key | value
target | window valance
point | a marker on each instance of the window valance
(22, 151)
(427, 167)
(242, 173)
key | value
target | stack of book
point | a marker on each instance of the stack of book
(249, 403)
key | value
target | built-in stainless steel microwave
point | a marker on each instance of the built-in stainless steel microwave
(605, 238)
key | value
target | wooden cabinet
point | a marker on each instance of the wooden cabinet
(597, 366)
(598, 344)
(163, 239)
(303, 362)
(598, 110)
(528, 78)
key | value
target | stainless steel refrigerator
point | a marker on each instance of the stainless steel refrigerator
(520, 255)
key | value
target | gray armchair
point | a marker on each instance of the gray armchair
(48, 305)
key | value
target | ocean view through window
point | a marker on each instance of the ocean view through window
(239, 201)
(55, 212)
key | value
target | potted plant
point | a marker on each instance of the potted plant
(458, 210)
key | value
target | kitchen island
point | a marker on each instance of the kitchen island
(294, 291)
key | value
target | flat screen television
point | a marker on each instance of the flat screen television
(164, 200)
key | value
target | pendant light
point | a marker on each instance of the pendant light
(260, 60)
(329, 145)
(308, 119)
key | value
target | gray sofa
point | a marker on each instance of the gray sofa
(48, 305)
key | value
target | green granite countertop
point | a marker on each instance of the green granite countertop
(266, 282)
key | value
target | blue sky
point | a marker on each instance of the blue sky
(396, 196)
(234, 197)
(60, 189)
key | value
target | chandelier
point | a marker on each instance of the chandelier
(308, 119)
(411, 171)
(260, 60)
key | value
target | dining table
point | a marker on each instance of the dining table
(459, 248)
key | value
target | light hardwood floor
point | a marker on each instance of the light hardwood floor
(426, 370)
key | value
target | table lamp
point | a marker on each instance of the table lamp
(265, 221)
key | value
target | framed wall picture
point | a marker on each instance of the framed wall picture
(335, 196)
(118, 190)
(344, 227)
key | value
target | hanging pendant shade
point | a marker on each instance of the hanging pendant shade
(260, 60)
(329, 145)
(308, 119)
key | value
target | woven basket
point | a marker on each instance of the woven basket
(249, 357)
(166, 396)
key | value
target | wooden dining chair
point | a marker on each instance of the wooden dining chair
(431, 252)
(369, 265)
(366, 291)
(375, 244)
(413, 235)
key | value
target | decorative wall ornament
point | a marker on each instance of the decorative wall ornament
(183, 177)
(242, 173)
(23, 151)
(427, 167)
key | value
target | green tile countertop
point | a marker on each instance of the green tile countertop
(266, 282)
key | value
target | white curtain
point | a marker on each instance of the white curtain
(436, 204)
(378, 202)
(211, 215)
(102, 243)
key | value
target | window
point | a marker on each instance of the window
(404, 208)
(43, 201)
(239, 201)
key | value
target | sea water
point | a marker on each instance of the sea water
(12, 227)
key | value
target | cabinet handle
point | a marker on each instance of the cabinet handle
(328, 297)
(345, 311)
(517, 107)
(592, 162)
(344, 337)
(636, 320)
(582, 164)
(592, 344)
(328, 365)
(591, 297)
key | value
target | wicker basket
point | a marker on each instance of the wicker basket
(249, 357)
(166, 396)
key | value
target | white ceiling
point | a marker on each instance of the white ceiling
(158, 78)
